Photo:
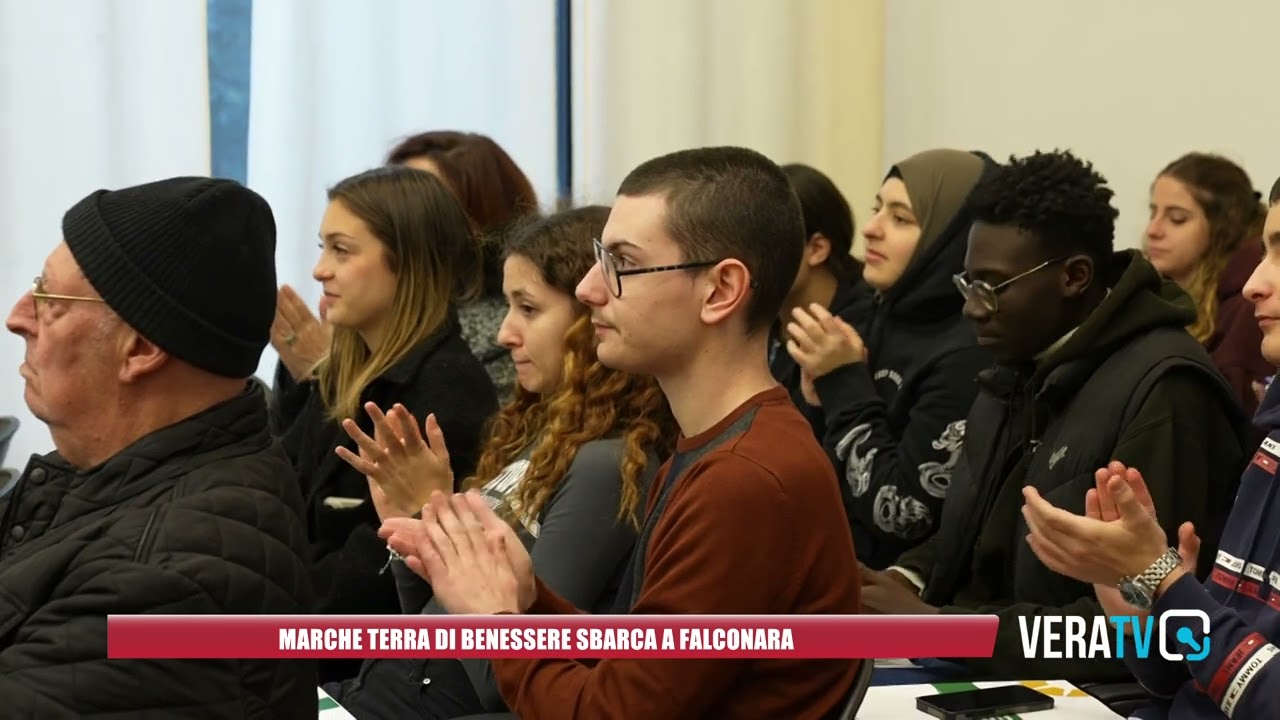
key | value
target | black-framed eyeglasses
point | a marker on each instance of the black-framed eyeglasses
(38, 294)
(613, 274)
(986, 294)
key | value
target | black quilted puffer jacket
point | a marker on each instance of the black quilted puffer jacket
(200, 517)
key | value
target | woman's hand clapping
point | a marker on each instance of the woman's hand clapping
(402, 466)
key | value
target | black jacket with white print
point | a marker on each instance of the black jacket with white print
(894, 424)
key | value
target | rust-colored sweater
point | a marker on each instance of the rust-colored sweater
(752, 524)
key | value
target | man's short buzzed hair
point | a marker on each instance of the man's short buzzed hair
(730, 202)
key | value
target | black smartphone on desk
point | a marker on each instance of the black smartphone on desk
(984, 703)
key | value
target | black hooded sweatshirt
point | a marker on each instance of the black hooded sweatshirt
(895, 424)
(1130, 384)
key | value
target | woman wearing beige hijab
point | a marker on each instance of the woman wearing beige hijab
(895, 397)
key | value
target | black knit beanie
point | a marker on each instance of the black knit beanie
(188, 262)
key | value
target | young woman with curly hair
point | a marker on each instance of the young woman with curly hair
(567, 462)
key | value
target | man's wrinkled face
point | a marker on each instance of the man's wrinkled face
(69, 365)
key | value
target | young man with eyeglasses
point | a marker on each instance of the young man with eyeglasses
(1093, 365)
(700, 249)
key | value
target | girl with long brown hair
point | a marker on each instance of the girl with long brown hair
(1205, 233)
(567, 462)
(396, 253)
(496, 194)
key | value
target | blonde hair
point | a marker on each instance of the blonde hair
(429, 249)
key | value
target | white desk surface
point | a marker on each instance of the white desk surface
(891, 702)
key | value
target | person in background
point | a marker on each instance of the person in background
(166, 492)
(829, 276)
(495, 193)
(895, 395)
(395, 253)
(1094, 364)
(1204, 234)
(1118, 543)
(567, 464)
(745, 517)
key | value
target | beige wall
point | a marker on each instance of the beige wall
(799, 80)
(1128, 84)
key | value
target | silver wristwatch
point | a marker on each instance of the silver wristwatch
(1140, 591)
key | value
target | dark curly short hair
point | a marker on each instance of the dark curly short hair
(1055, 196)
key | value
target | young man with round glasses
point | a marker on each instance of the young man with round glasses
(700, 249)
(1093, 365)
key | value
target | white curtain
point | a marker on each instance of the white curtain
(800, 81)
(93, 95)
(335, 83)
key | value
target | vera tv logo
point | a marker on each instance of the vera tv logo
(1058, 637)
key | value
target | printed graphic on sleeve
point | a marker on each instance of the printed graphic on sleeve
(857, 470)
(1227, 570)
(1268, 456)
(904, 517)
(935, 477)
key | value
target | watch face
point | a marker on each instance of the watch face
(1135, 594)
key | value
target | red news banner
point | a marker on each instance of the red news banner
(549, 636)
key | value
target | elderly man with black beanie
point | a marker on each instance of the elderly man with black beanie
(166, 492)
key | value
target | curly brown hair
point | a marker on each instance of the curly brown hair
(593, 402)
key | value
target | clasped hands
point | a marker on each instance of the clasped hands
(1118, 536)
(299, 338)
(403, 464)
(819, 343)
(889, 592)
(473, 559)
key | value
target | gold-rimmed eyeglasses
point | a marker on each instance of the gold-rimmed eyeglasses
(38, 293)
